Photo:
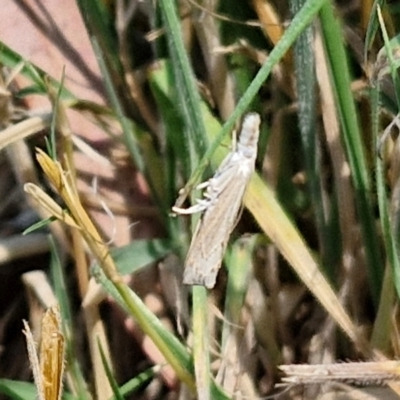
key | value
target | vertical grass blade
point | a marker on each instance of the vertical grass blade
(352, 138)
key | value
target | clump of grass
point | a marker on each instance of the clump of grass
(316, 245)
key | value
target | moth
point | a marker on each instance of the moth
(221, 203)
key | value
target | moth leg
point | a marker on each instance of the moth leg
(191, 210)
(201, 205)
(209, 198)
(210, 195)
(204, 184)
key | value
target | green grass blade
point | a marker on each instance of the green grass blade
(138, 381)
(99, 24)
(306, 89)
(174, 352)
(51, 141)
(389, 220)
(354, 147)
(391, 47)
(189, 98)
(373, 26)
(380, 337)
(239, 260)
(176, 150)
(196, 135)
(140, 253)
(201, 342)
(17, 390)
(110, 376)
(11, 59)
(39, 225)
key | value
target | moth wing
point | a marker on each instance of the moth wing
(213, 230)
(203, 270)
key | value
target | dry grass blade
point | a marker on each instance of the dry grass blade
(39, 285)
(222, 85)
(49, 205)
(48, 368)
(61, 181)
(17, 246)
(23, 129)
(361, 373)
(270, 20)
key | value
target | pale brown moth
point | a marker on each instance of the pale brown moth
(48, 368)
(221, 204)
